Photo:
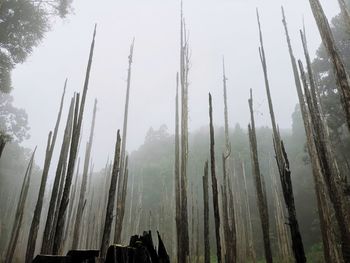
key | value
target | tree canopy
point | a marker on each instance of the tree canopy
(23, 24)
(13, 121)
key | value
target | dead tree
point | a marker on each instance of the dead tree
(251, 249)
(108, 175)
(72, 207)
(260, 193)
(91, 214)
(214, 183)
(139, 210)
(193, 241)
(19, 212)
(206, 214)
(34, 228)
(111, 200)
(197, 231)
(285, 253)
(46, 246)
(228, 227)
(184, 70)
(79, 215)
(336, 196)
(283, 166)
(341, 76)
(239, 213)
(331, 175)
(177, 174)
(119, 219)
(227, 139)
(330, 250)
(77, 123)
(131, 206)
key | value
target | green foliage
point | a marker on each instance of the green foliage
(23, 24)
(315, 254)
(13, 121)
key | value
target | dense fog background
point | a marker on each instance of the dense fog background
(216, 28)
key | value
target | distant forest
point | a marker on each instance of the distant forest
(149, 194)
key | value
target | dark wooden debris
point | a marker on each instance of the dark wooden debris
(141, 249)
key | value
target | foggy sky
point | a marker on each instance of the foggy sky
(217, 28)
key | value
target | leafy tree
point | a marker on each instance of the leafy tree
(23, 24)
(13, 121)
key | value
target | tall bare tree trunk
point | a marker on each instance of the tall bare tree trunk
(341, 76)
(251, 247)
(206, 214)
(82, 195)
(335, 194)
(119, 219)
(241, 223)
(46, 246)
(111, 200)
(19, 212)
(68, 236)
(330, 250)
(228, 227)
(214, 183)
(129, 232)
(177, 174)
(139, 210)
(285, 253)
(34, 228)
(184, 69)
(331, 174)
(260, 193)
(72, 155)
(283, 166)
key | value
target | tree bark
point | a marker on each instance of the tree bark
(206, 214)
(72, 155)
(341, 76)
(82, 195)
(118, 221)
(214, 183)
(19, 212)
(285, 253)
(332, 182)
(262, 200)
(46, 247)
(251, 249)
(111, 200)
(34, 228)
(177, 174)
(283, 167)
(121, 210)
(184, 69)
(330, 250)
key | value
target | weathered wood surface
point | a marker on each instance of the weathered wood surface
(214, 183)
(141, 250)
(73, 256)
